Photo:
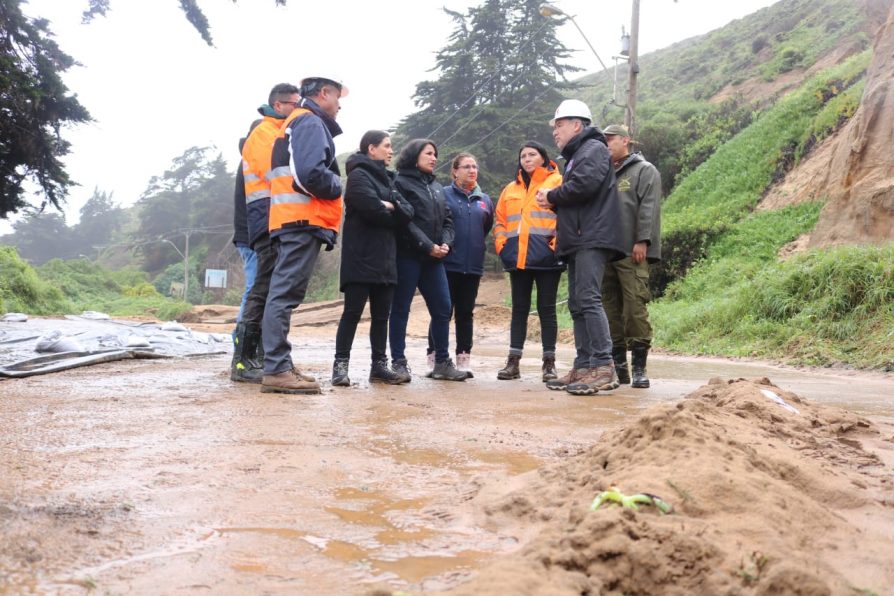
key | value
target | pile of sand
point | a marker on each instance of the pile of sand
(769, 498)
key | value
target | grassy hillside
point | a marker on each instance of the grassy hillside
(728, 293)
(697, 94)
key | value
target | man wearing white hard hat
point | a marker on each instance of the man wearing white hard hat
(587, 237)
(305, 215)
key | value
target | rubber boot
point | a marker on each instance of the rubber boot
(340, 373)
(638, 356)
(445, 371)
(510, 371)
(548, 369)
(619, 355)
(380, 373)
(243, 369)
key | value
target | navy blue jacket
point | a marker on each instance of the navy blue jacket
(473, 218)
(310, 151)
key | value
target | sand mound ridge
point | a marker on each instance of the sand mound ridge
(767, 500)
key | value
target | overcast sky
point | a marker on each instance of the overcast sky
(155, 88)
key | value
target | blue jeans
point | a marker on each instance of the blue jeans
(250, 268)
(591, 334)
(431, 279)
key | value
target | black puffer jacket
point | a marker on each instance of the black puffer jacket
(369, 247)
(586, 203)
(432, 221)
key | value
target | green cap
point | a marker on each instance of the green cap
(616, 129)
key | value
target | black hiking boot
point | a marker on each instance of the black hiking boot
(340, 373)
(445, 371)
(380, 373)
(402, 369)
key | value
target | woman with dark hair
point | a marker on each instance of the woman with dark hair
(421, 248)
(373, 211)
(473, 217)
(525, 238)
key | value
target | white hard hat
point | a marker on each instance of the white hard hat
(572, 108)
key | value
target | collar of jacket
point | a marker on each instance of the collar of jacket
(630, 159)
(469, 194)
(376, 167)
(268, 112)
(332, 125)
(590, 132)
(539, 174)
(415, 172)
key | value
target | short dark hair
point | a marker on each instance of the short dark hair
(281, 92)
(312, 87)
(372, 137)
(409, 155)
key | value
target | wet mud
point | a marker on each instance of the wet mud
(165, 477)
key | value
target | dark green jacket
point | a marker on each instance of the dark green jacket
(639, 190)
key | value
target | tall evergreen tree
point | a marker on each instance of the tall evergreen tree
(500, 77)
(34, 105)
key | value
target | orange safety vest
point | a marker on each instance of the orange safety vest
(288, 204)
(520, 223)
(256, 154)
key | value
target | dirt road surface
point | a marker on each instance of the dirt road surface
(162, 476)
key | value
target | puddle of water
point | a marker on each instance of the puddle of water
(415, 569)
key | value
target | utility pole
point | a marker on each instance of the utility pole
(186, 268)
(632, 70)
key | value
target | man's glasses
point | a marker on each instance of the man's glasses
(294, 103)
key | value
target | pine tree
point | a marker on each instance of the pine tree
(500, 79)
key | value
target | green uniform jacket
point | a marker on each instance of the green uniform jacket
(639, 190)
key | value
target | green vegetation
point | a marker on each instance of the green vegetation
(821, 307)
(87, 286)
(732, 181)
(681, 86)
(21, 290)
(65, 287)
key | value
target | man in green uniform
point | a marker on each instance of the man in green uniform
(625, 290)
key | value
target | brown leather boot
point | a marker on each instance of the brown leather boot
(601, 378)
(289, 382)
(510, 371)
(304, 377)
(570, 377)
(548, 369)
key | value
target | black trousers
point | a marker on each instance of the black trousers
(265, 249)
(463, 293)
(356, 295)
(522, 282)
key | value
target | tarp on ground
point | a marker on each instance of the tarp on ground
(43, 346)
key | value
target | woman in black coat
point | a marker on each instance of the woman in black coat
(373, 211)
(421, 248)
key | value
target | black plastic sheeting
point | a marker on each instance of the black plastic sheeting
(44, 346)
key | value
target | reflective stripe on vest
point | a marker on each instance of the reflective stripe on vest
(287, 204)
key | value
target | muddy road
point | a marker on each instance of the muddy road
(162, 476)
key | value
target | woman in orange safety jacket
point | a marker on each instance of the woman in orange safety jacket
(525, 238)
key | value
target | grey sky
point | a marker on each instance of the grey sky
(155, 88)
